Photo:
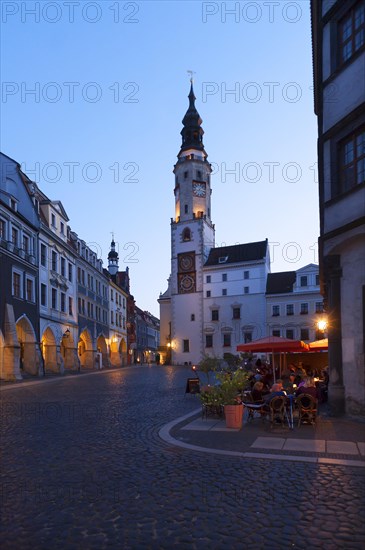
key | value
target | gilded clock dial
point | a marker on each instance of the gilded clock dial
(187, 283)
(199, 189)
(186, 263)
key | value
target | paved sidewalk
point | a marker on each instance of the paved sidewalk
(331, 441)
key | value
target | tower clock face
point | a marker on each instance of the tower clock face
(199, 189)
(187, 283)
(186, 262)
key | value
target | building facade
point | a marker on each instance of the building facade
(338, 39)
(92, 305)
(57, 288)
(294, 305)
(234, 296)
(19, 274)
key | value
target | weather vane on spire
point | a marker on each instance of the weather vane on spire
(191, 73)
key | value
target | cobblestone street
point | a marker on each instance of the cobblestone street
(83, 467)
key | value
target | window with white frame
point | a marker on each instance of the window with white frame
(54, 260)
(226, 340)
(14, 236)
(304, 280)
(26, 243)
(209, 340)
(17, 284)
(54, 298)
(275, 311)
(43, 255)
(3, 229)
(304, 309)
(43, 294)
(247, 337)
(29, 289)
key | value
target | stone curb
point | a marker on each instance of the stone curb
(165, 435)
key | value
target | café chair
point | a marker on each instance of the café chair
(253, 407)
(307, 409)
(277, 408)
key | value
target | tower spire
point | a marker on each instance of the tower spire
(113, 258)
(192, 132)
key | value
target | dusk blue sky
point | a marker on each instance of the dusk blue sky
(126, 67)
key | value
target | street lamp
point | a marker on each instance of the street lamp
(322, 325)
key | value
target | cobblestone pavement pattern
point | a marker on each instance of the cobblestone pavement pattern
(83, 467)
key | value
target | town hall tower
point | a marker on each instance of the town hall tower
(192, 237)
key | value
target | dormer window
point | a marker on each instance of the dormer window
(62, 228)
(13, 204)
(222, 259)
(53, 220)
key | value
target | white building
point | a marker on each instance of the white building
(338, 38)
(57, 288)
(234, 296)
(294, 304)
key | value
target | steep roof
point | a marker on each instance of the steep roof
(280, 283)
(237, 253)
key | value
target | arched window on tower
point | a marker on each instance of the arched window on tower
(186, 234)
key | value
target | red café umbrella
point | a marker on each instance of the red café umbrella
(271, 344)
(319, 345)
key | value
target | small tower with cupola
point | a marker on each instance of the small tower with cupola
(192, 237)
(113, 259)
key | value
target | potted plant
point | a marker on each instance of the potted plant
(208, 366)
(212, 402)
(231, 387)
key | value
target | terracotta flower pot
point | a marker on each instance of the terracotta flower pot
(233, 415)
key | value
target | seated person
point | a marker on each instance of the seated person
(276, 390)
(308, 387)
(257, 392)
(289, 382)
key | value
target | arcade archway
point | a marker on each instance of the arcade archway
(30, 357)
(103, 349)
(85, 350)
